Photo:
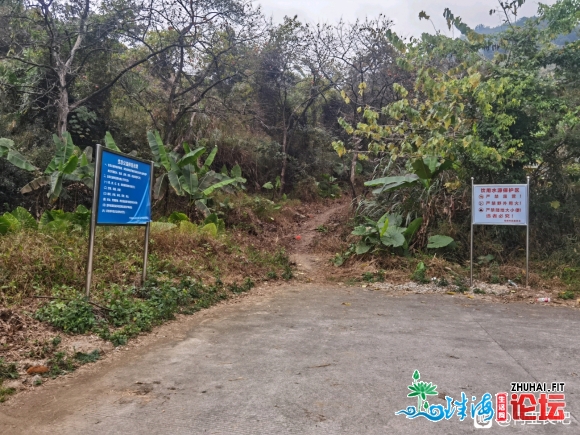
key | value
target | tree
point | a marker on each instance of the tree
(53, 45)
(172, 85)
(496, 119)
(287, 85)
(360, 62)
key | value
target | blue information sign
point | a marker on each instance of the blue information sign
(124, 190)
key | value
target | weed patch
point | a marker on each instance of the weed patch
(7, 370)
(460, 284)
(124, 312)
(419, 275)
(38, 263)
(272, 275)
(85, 358)
(374, 276)
(5, 392)
(288, 274)
(74, 315)
(568, 294)
(60, 364)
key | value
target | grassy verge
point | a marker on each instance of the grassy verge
(123, 312)
(36, 263)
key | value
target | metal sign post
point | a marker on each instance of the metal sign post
(501, 204)
(122, 192)
(96, 182)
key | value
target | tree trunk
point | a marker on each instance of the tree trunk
(168, 136)
(353, 169)
(284, 162)
(63, 109)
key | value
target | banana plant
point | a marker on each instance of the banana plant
(425, 170)
(188, 175)
(8, 152)
(69, 164)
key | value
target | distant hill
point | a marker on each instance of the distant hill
(560, 40)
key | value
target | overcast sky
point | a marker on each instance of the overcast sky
(404, 13)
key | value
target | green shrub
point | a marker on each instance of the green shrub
(568, 294)
(85, 358)
(419, 273)
(126, 312)
(75, 315)
(60, 364)
(7, 370)
(4, 392)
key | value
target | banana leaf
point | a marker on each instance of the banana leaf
(70, 165)
(158, 149)
(64, 148)
(55, 185)
(20, 161)
(209, 160)
(160, 186)
(189, 180)
(202, 207)
(392, 183)
(174, 181)
(192, 157)
(110, 142)
(5, 146)
(37, 183)
(221, 184)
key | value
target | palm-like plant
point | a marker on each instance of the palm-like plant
(10, 153)
(187, 174)
(69, 164)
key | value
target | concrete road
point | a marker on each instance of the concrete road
(315, 360)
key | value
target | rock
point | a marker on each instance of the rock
(36, 380)
(37, 369)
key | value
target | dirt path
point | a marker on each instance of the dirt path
(307, 262)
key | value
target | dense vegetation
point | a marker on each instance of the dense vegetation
(229, 105)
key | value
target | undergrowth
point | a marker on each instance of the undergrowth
(123, 312)
(34, 263)
(7, 371)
